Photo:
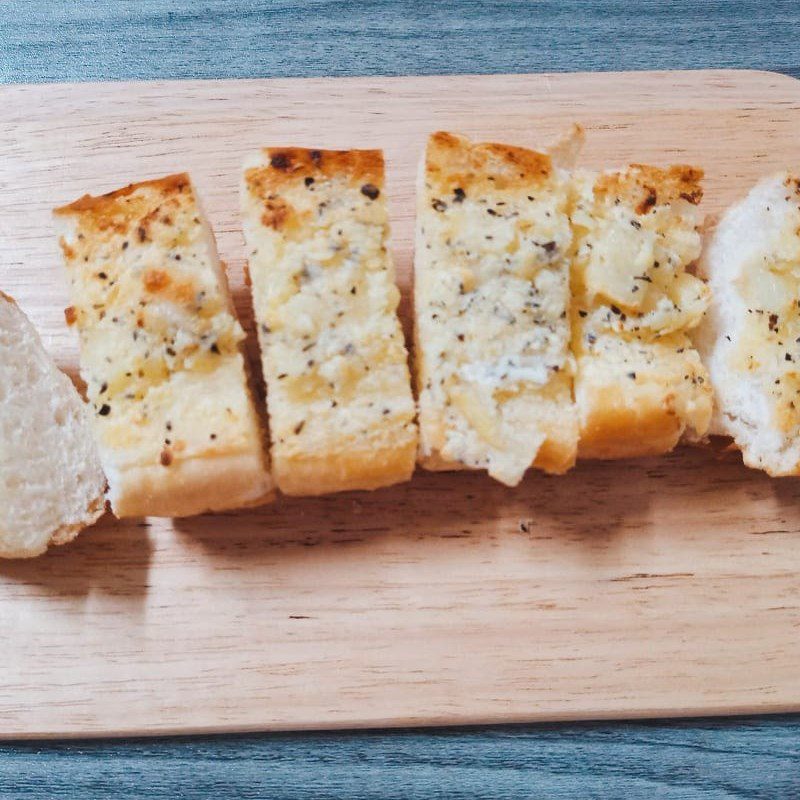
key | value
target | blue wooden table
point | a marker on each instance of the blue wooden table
(62, 40)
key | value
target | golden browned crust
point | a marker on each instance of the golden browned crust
(453, 160)
(643, 186)
(558, 452)
(192, 486)
(290, 166)
(626, 423)
(347, 470)
(113, 204)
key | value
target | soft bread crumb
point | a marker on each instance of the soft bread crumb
(51, 483)
(749, 338)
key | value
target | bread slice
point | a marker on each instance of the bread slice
(749, 337)
(493, 368)
(51, 484)
(161, 355)
(640, 386)
(335, 362)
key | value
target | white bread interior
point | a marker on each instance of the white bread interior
(51, 483)
(749, 338)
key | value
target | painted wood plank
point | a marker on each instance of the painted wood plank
(62, 40)
(698, 760)
(665, 586)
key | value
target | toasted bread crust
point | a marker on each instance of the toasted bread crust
(642, 186)
(303, 474)
(284, 167)
(451, 160)
(194, 486)
(106, 210)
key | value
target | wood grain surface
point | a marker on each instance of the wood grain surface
(665, 586)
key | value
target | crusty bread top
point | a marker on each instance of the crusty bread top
(151, 305)
(452, 160)
(491, 295)
(334, 357)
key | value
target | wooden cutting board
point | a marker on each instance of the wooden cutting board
(666, 586)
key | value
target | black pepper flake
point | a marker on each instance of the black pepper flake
(458, 195)
(299, 427)
(632, 376)
(788, 357)
(460, 337)
(549, 247)
(308, 181)
(214, 348)
(370, 190)
(265, 329)
(316, 157)
(773, 322)
(636, 224)
(103, 388)
(105, 410)
(142, 233)
(125, 245)
(386, 411)
(616, 310)
(491, 212)
(353, 290)
(103, 276)
(583, 313)
(171, 352)
(439, 205)
(283, 375)
(280, 161)
(213, 436)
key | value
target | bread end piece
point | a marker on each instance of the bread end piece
(51, 483)
(749, 337)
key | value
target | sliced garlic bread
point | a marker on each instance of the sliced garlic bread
(334, 358)
(161, 355)
(749, 339)
(51, 483)
(640, 385)
(493, 367)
